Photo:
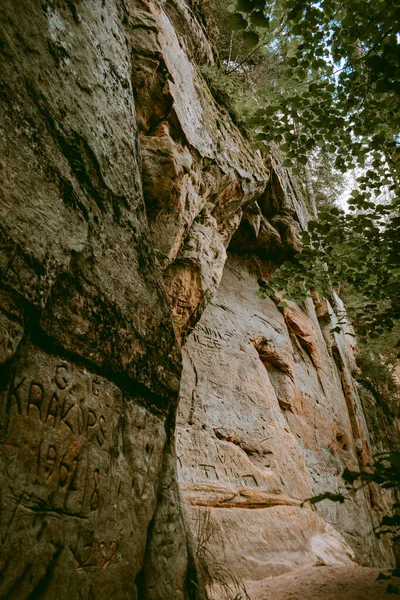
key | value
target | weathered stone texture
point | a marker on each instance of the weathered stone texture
(269, 416)
(200, 174)
(90, 366)
(80, 466)
(269, 413)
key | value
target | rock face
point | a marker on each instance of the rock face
(199, 172)
(136, 220)
(90, 366)
(266, 421)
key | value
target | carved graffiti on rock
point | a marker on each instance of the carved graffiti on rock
(59, 424)
(96, 555)
(209, 338)
(56, 405)
(209, 472)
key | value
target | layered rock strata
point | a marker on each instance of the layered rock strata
(269, 410)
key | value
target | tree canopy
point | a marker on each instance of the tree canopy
(339, 85)
(337, 90)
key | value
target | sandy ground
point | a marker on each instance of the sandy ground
(326, 583)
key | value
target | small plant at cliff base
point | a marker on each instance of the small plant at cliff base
(217, 576)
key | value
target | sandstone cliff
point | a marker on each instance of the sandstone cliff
(136, 222)
(90, 365)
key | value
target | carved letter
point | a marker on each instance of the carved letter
(101, 436)
(52, 409)
(51, 461)
(72, 481)
(95, 387)
(109, 554)
(90, 560)
(81, 419)
(63, 471)
(13, 395)
(91, 419)
(94, 500)
(35, 397)
(62, 377)
(64, 414)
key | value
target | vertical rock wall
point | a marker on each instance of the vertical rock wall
(269, 410)
(90, 367)
(269, 416)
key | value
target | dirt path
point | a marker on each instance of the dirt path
(326, 583)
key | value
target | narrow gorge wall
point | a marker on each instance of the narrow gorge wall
(266, 421)
(269, 412)
(136, 225)
(90, 367)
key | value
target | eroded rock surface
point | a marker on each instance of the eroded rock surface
(80, 465)
(269, 416)
(90, 366)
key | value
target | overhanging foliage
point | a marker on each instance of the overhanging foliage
(338, 89)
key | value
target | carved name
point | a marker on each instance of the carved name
(57, 406)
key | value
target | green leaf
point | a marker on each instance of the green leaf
(245, 5)
(237, 22)
(383, 85)
(287, 163)
(258, 18)
(376, 63)
(250, 39)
